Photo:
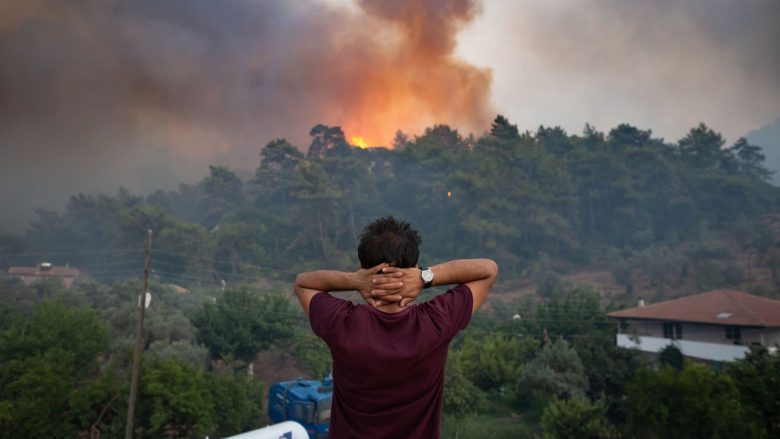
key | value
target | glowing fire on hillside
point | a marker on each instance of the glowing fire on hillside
(408, 76)
(359, 142)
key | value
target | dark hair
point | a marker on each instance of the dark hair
(389, 240)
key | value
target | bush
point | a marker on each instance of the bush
(577, 418)
(485, 427)
(693, 402)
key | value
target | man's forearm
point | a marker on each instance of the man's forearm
(479, 274)
(327, 280)
(461, 271)
(308, 285)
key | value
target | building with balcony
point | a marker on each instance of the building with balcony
(717, 326)
(45, 270)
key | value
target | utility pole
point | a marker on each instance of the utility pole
(138, 351)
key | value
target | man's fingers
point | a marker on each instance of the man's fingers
(394, 275)
(384, 280)
(392, 270)
(405, 301)
(389, 286)
(385, 291)
(392, 298)
(377, 268)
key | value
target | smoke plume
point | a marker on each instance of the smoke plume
(94, 94)
(665, 65)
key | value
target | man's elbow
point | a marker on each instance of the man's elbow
(299, 283)
(492, 268)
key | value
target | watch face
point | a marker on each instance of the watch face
(427, 275)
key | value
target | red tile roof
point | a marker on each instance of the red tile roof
(720, 307)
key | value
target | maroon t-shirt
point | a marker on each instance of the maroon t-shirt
(388, 369)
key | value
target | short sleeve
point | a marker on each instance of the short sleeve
(324, 309)
(451, 312)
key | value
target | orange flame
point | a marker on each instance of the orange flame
(358, 141)
(409, 77)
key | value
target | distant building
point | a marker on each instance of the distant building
(717, 325)
(45, 270)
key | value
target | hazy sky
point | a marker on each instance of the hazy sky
(664, 65)
(101, 93)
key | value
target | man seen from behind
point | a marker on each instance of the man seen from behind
(389, 354)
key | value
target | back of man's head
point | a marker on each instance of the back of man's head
(389, 240)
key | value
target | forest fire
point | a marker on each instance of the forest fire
(408, 76)
(359, 142)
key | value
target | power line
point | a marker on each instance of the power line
(597, 317)
(221, 261)
(73, 252)
(498, 306)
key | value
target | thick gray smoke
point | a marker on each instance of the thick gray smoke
(663, 64)
(94, 94)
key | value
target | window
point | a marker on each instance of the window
(673, 330)
(303, 412)
(277, 403)
(734, 333)
(323, 408)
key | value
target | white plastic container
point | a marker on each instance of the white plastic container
(282, 430)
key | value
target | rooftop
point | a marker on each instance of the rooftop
(718, 307)
(44, 269)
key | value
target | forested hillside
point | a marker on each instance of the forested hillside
(661, 219)
(541, 204)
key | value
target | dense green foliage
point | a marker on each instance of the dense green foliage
(671, 356)
(60, 376)
(461, 396)
(556, 372)
(576, 418)
(313, 353)
(46, 360)
(539, 203)
(185, 400)
(693, 402)
(493, 361)
(758, 380)
(242, 323)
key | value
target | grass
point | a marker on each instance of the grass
(488, 426)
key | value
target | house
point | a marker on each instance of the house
(718, 325)
(45, 270)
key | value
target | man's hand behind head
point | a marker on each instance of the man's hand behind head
(397, 285)
(366, 285)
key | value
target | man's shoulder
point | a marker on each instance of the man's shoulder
(329, 297)
(455, 301)
(458, 292)
(325, 310)
(451, 309)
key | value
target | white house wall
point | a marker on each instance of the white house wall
(695, 349)
(706, 333)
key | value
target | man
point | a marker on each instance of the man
(389, 356)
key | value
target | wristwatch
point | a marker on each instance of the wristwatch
(427, 276)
